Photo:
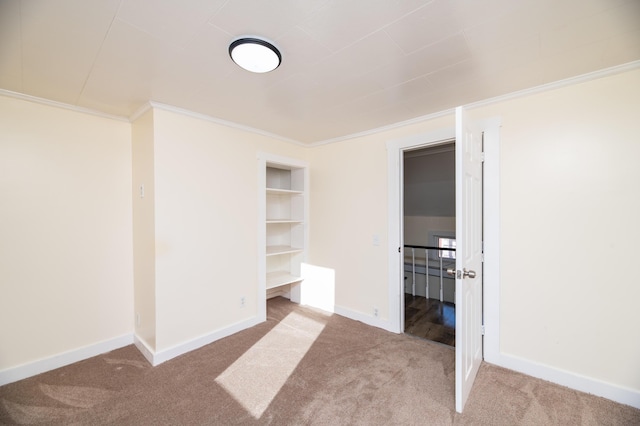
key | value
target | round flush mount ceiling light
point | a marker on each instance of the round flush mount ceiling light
(255, 55)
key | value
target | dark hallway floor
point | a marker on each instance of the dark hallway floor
(430, 319)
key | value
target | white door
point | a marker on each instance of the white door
(468, 256)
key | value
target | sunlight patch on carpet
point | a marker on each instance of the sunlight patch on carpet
(131, 362)
(77, 396)
(26, 414)
(257, 376)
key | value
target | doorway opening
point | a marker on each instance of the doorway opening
(429, 230)
(477, 147)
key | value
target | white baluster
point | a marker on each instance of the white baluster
(441, 281)
(426, 273)
(413, 271)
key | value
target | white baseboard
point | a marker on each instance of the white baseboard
(571, 380)
(24, 371)
(144, 348)
(156, 358)
(367, 319)
(30, 369)
(575, 381)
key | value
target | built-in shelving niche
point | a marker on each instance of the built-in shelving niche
(284, 224)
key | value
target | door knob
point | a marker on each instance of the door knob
(470, 274)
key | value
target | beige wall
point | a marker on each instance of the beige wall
(206, 223)
(144, 250)
(417, 228)
(348, 207)
(65, 231)
(569, 210)
(569, 178)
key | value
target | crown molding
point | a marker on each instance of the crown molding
(490, 101)
(211, 119)
(62, 105)
(485, 102)
(583, 78)
(140, 111)
(386, 128)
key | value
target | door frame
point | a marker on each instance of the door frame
(491, 226)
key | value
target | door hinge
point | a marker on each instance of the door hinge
(482, 329)
(482, 156)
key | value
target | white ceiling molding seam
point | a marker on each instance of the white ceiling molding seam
(140, 112)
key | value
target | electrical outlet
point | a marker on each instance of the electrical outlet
(242, 300)
(137, 319)
(375, 312)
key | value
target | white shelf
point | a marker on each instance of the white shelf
(285, 221)
(280, 278)
(276, 250)
(277, 191)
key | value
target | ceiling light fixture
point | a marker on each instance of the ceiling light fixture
(255, 55)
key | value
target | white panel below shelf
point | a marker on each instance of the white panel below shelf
(278, 278)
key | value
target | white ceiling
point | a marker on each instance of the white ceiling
(348, 66)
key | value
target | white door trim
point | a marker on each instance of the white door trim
(395, 153)
(491, 303)
(491, 230)
(491, 224)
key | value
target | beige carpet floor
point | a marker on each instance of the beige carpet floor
(301, 367)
